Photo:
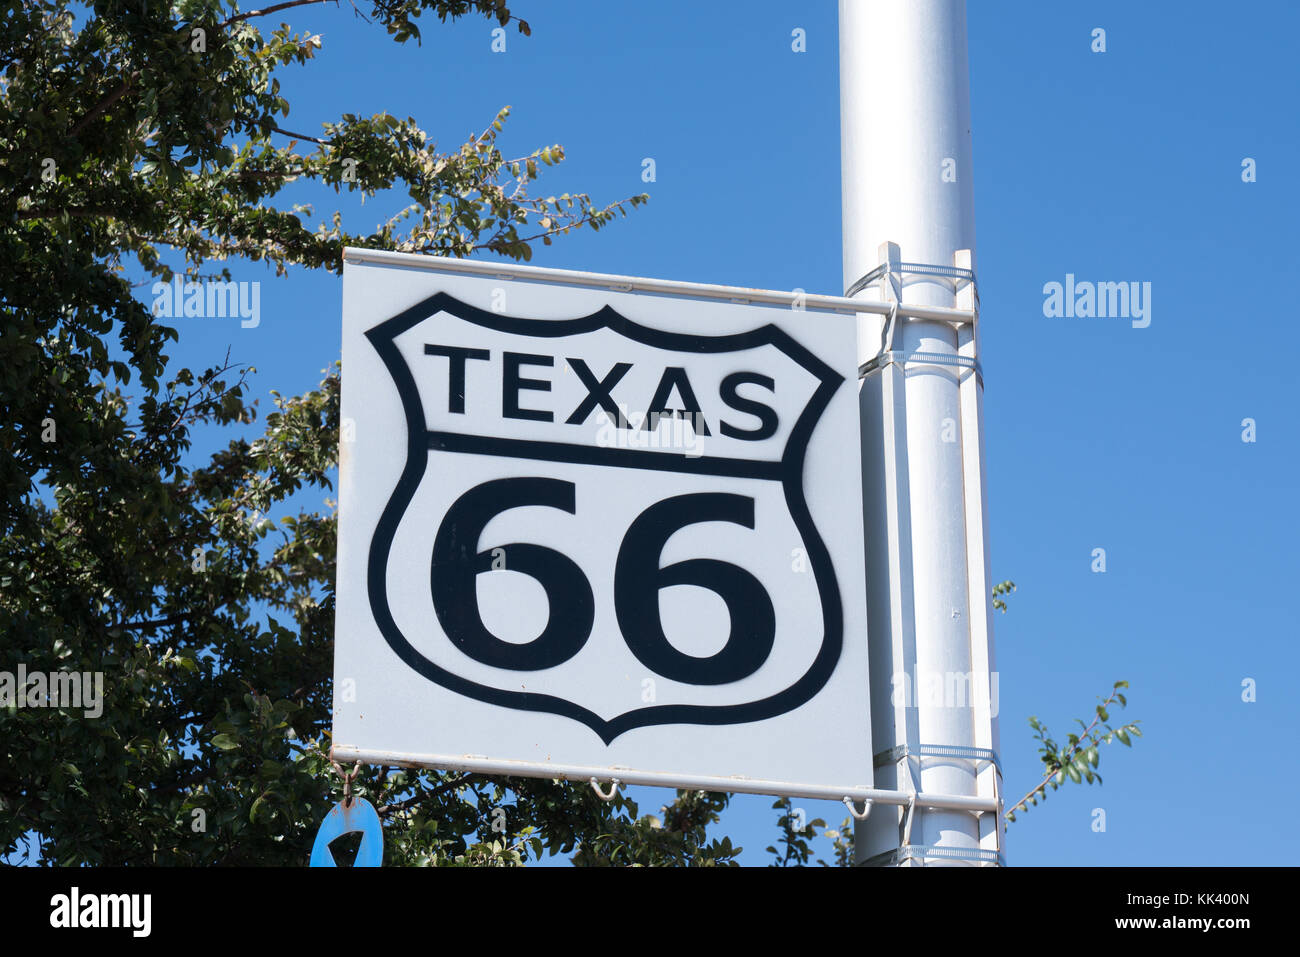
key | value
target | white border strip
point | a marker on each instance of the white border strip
(344, 754)
(696, 290)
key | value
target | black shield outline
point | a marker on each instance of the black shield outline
(789, 470)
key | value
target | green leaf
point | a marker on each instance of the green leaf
(1122, 734)
(225, 742)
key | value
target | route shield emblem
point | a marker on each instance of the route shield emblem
(581, 530)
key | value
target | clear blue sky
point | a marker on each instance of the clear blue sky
(1122, 166)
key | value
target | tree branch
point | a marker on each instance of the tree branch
(105, 103)
(268, 10)
(81, 212)
(1067, 758)
(301, 136)
(177, 619)
(452, 785)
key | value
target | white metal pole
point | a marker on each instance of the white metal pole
(907, 199)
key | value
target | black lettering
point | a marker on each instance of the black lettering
(766, 415)
(512, 383)
(674, 377)
(598, 393)
(456, 356)
(638, 578)
(458, 561)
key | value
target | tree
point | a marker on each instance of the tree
(192, 583)
(211, 624)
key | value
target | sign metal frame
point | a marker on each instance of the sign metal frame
(848, 790)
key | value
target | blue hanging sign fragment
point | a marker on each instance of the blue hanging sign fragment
(344, 818)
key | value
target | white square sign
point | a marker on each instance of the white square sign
(591, 531)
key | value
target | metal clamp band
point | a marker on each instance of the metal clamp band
(933, 358)
(898, 752)
(866, 280)
(914, 851)
(959, 276)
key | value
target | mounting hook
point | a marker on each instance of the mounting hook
(613, 790)
(853, 809)
(348, 778)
